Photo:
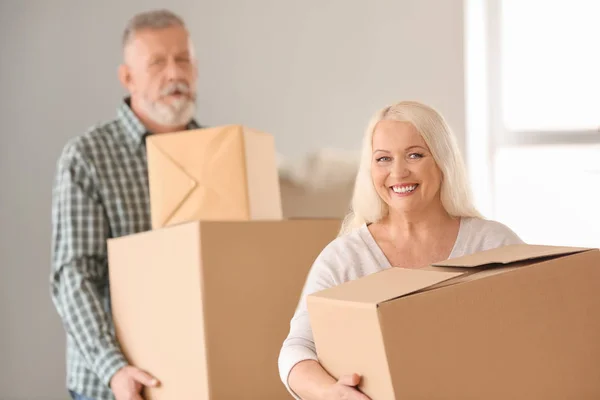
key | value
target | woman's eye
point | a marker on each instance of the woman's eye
(415, 156)
(384, 158)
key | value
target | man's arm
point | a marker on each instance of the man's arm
(79, 264)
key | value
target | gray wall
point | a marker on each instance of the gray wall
(310, 72)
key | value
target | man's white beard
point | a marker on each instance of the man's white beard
(177, 113)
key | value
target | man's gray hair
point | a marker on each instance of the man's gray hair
(153, 19)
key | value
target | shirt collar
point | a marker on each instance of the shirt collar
(135, 131)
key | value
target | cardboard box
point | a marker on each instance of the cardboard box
(205, 306)
(222, 173)
(518, 322)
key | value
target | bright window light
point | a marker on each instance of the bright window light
(550, 64)
(550, 194)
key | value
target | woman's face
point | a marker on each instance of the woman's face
(403, 170)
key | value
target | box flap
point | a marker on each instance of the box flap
(385, 285)
(198, 174)
(169, 193)
(508, 254)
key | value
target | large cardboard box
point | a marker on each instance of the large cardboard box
(518, 322)
(222, 173)
(205, 306)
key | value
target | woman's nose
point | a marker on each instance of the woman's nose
(400, 168)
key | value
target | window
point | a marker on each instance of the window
(550, 65)
(550, 194)
(540, 152)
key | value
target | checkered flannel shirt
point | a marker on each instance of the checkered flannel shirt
(100, 191)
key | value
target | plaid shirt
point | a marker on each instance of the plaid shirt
(100, 191)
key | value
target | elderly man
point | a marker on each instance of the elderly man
(101, 191)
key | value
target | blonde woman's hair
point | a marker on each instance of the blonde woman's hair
(368, 207)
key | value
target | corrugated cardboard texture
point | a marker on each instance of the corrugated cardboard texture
(204, 174)
(527, 331)
(222, 295)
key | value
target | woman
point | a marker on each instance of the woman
(411, 207)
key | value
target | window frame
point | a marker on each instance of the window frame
(502, 136)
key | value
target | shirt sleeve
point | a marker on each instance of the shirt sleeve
(299, 344)
(501, 235)
(79, 265)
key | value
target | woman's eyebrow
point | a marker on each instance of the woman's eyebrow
(416, 147)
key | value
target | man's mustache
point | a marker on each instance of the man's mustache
(178, 87)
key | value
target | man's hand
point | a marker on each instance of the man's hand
(345, 389)
(128, 382)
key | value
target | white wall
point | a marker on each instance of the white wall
(309, 72)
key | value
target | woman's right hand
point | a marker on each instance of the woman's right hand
(345, 389)
(310, 381)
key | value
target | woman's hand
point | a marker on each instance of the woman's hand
(310, 381)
